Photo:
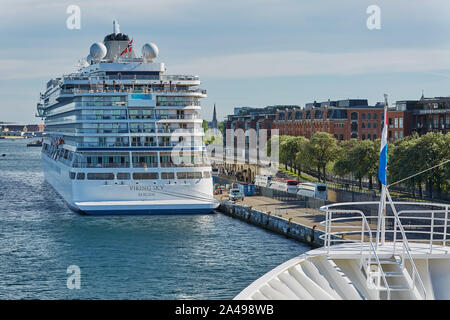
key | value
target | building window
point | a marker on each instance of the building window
(400, 134)
(123, 176)
(80, 176)
(354, 116)
(374, 136)
(395, 135)
(100, 176)
(368, 124)
(390, 122)
(145, 175)
(369, 136)
(374, 116)
(369, 116)
(374, 125)
(363, 116)
(435, 122)
(363, 137)
(396, 123)
(167, 175)
(341, 137)
(400, 123)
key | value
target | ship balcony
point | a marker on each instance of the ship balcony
(142, 130)
(181, 144)
(102, 145)
(94, 145)
(100, 131)
(145, 165)
(144, 144)
(179, 131)
(174, 91)
(137, 77)
(177, 117)
(183, 165)
(101, 165)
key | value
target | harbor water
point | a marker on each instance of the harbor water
(120, 257)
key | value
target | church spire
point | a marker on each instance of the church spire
(214, 124)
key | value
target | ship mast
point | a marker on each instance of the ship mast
(382, 176)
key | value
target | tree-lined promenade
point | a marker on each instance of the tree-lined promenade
(359, 158)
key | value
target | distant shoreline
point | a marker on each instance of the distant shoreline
(13, 137)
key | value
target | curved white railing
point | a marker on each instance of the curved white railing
(339, 237)
(431, 227)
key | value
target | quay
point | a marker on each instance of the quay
(282, 217)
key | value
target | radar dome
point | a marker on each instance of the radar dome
(98, 51)
(150, 51)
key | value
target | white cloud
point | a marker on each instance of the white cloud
(263, 64)
(32, 68)
(303, 63)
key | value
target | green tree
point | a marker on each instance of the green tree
(415, 154)
(343, 166)
(364, 159)
(300, 160)
(288, 150)
(205, 125)
(321, 150)
(434, 150)
(404, 161)
(359, 157)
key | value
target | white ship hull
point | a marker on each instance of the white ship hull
(99, 197)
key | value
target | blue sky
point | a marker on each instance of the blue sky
(247, 52)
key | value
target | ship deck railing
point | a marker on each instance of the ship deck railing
(137, 165)
(131, 90)
(425, 223)
(175, 77)
(422, 222)
(138, 144)
(101, 165)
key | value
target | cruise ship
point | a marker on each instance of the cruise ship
(123, 137)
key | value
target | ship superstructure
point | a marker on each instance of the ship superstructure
(124, 137)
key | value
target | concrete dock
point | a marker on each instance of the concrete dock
(284, 209)
(287, 217)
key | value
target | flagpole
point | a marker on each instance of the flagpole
(382, 176)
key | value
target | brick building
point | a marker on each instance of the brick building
(421, 116)
(344, 119)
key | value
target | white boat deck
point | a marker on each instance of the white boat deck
(367, 265)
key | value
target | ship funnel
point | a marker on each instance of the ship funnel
(116, 27)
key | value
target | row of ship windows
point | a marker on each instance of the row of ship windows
(138, 175)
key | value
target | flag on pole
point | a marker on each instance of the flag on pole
(383, 148)
(128, 48)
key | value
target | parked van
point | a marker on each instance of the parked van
(263, 180)
(313, 190)
(289, 186)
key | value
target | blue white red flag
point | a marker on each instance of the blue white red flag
(383, 148)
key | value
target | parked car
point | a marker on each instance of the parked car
(236, 194)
